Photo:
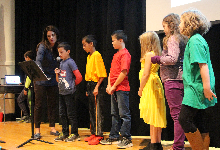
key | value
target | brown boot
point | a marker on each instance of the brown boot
(206, 140)
(195, 140)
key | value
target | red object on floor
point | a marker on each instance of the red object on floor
(95, 140)
(1, 116)
(89, 138)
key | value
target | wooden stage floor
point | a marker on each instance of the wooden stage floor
(14, 134)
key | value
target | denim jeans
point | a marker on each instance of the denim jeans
(174, 95)
(68, 113)
(120, 110)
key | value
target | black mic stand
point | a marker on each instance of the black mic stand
(32, 70)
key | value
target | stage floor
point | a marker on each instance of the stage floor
(14, 134)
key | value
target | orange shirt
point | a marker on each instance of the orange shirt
(95, 67)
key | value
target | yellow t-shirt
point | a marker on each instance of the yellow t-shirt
(95, 67)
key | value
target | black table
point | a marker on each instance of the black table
(14, 89)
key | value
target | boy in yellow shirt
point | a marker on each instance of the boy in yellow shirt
(95, 73)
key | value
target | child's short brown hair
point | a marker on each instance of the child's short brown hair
(194, 22)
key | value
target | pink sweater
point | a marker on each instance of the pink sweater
(171, 63)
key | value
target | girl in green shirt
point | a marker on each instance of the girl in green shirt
(198, 80)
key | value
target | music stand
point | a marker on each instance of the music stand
(32, 70)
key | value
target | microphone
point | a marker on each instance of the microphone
(58, 61)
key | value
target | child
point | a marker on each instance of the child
(198, 80)
(95, 73)
(23, 97)
(171, 70)
(68, 76)
(152, 102)
(118, 87)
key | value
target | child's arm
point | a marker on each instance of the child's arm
(57, 71)
(96, 90)
(146, 72)
(27, 84)
(78, 76)
(120, 78)
(109, 84)
(204, 71)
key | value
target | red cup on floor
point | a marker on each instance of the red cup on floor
(1, 116)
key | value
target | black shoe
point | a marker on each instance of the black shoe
(125, 143)
(54, 133)
(61, 137)
(147, 147)
(156, 146)
(24, 119)
(37, 136)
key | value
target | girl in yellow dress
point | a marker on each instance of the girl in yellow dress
(152, 102)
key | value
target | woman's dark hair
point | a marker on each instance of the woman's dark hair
(29, 54)
(46, 42)
(89, 39)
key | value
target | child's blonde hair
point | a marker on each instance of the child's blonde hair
(149, 42)
(194, 22)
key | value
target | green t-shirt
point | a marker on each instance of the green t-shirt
(197, 51)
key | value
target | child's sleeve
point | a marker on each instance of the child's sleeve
(100, 66)
(76, 72)
(173, 52)
(27, 83)
(198, 53)
(125, 62)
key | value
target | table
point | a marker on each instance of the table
(14, 89)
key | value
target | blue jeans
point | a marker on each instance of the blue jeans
(120, 110)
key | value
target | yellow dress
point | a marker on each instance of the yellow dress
(152, 103)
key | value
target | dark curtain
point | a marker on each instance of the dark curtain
(78, 18)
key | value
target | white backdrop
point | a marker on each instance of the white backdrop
(156, 10)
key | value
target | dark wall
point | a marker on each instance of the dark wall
(77, 18)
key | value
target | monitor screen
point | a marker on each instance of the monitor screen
(12, 79)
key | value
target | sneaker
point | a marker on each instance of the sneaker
(110, 141)
(23, 119)
(28, 120)
(95, 140)
(54, 133)
(72, 138)
(37, 136)
(89, 138)
(125, 143)
(61, 137)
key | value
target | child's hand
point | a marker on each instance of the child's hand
(108, 89)
(112, 90)
(140, 92)
(96, 91)
(57, 70)
(209, 94)
(25, 92)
